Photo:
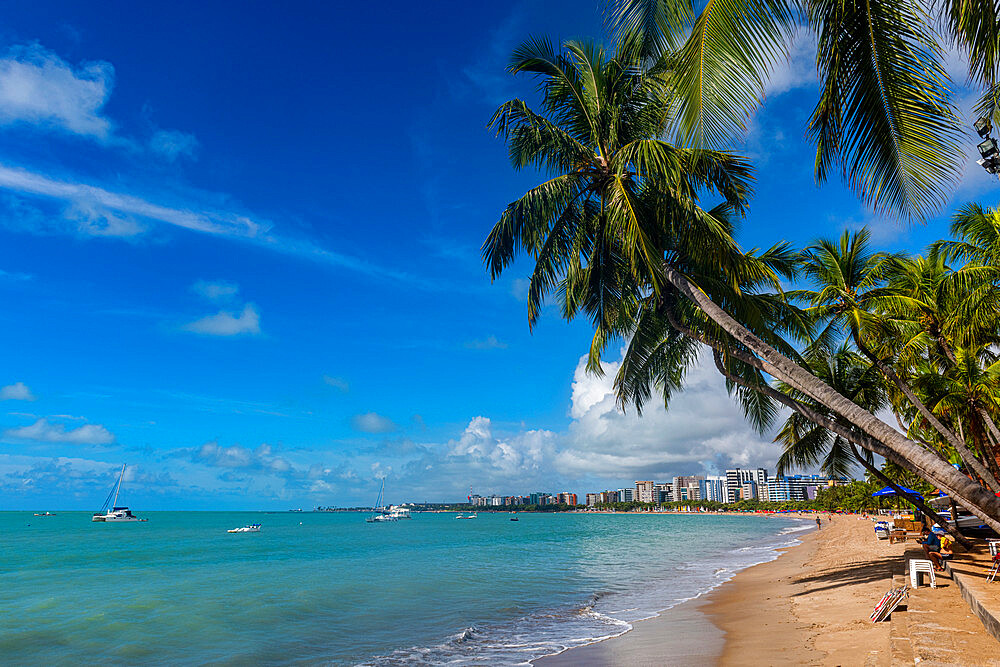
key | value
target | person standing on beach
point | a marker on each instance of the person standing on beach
(818, 524)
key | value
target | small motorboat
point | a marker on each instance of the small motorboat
(249, 528)
(471, 516)
(44, 513)
(514, 518)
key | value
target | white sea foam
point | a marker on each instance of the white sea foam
(605, 615)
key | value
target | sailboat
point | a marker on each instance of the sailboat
(378, 514)
(116, 513)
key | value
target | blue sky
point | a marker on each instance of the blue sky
(240, 251)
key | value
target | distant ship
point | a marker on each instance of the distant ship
(116, 513)
(44, 514)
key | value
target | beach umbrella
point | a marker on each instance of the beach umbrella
(888, 491)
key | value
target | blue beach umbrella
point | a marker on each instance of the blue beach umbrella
(888, 491)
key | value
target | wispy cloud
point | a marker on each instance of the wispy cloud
(217, 290)
(14, 275)
(174, 144)
(38, 87)
(489, 343)
(45, 431)
(372, 422)
(228, 323)
(16, 392)
(337, 383)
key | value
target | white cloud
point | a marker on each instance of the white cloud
(92, 219)
(703, 429)
(799, 70)
(228, 323)
(218, 290)
(489, 343)
(337, 383)
(519, 288)
(16, 392)
(46, 431)
(174, 144)
(37, 86)
(372, 422)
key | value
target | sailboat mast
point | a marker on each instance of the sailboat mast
(119, 487)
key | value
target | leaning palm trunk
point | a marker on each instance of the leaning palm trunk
(918, 501)
(843, 430)
(970, 459)
(981, 502)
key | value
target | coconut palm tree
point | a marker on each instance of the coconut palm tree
(807, 444)
(848, 292)
(617, 232)
(884, 119)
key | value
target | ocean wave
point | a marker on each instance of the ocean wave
(604, 615)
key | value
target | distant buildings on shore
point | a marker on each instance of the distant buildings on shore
(538, 498)
(736, 485)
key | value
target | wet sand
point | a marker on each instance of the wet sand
(810, 606)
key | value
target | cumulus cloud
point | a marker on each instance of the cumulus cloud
(37, 86)
(372, 422)
(217, 290)
(489, 343)
(16, 392)
(235, 456)
(228, 323)
(45, 431)
(174, 144)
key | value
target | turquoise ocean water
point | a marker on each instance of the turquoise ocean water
(328, 588)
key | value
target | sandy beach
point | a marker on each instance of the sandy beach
(810, 606)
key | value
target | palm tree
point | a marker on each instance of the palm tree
(616, 230)
(849, 291)
(884, 118)
(807, 444)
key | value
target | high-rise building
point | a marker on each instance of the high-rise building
(713, 489)
(798, 487)
(567, 498)
(736, 478)
(626, 495)
(663, 493)
(687, 487)
(593, 499)
(644, 491)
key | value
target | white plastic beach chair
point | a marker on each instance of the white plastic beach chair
(919, 566)
(996, 566)
(994, 545)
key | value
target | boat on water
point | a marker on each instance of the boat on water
(249, 528)
(514, 518)
(471, 516)
(116, 513)
(379, 513)
(400, 512)
(44, 513)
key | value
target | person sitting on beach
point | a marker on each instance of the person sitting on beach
(932, 546)
(946, 551)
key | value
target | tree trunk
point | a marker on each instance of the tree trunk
(952, 439)
(980, 501)
(916, 500)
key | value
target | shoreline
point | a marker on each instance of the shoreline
(693, 631)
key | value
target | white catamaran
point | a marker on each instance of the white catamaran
(379, 514)
(116, 513)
